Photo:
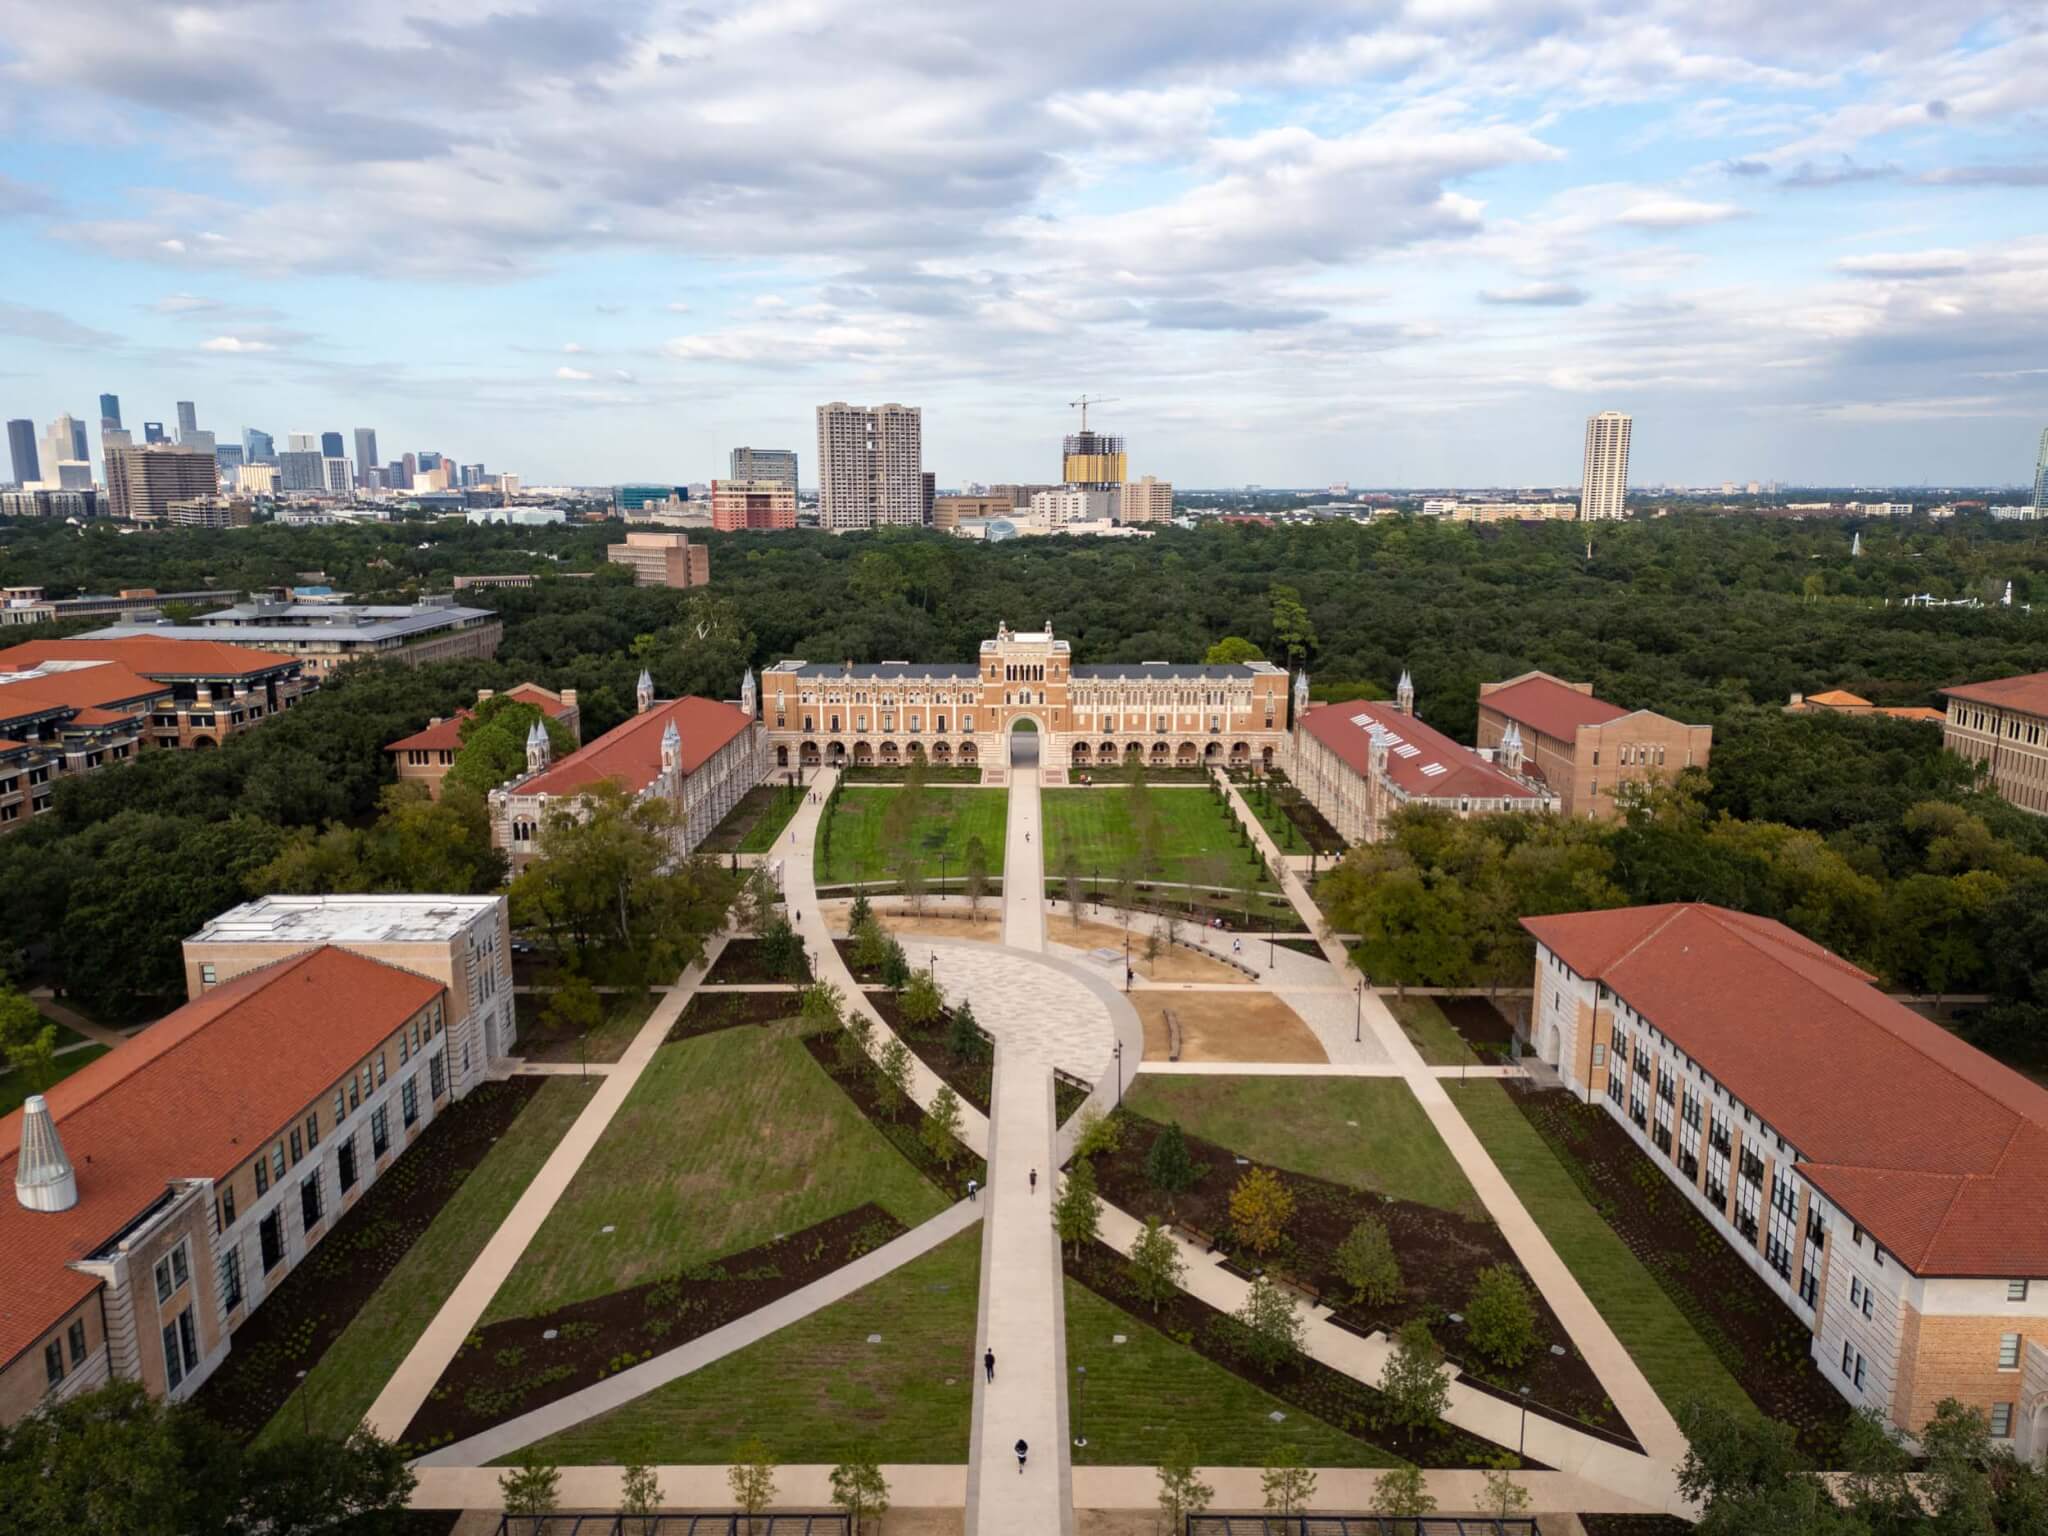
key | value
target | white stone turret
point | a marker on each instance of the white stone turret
(747, 694)
(671, 748)
(539, 750)
(1300, 692)
(643, 695)
(1511, 749)
(1404, 693)
(2008, 594)
(44, 1179)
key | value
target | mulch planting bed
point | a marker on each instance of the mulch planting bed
(968, 1076)
(1634, 1525)
(708, 1013)
(1441, 1256)
(1069, 1093)
(742, 963)
(1341, 1401)
(1302, 947)
(512, 1367)
(862, 1082)
(1763, 1345)
(866, 975)
(1484, 1027)
(293, 1328)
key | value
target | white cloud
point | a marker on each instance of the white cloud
(572, 346)
(234, 344)
(1660, 213)
(577, 375)
(1906, 264)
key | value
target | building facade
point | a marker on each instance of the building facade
(2004, 725)
(662, 559)
(1603, 488)
(325, 636)
(738, 505)
(21, 451)
(1359, 763)
(948, 512)
(1881, 1177)
(43, 502)
(1149, 500)
(870, 466)
(961, 714)
(2041, 477)
(1588, 751)
(1093, 461)
(143, 482)
(699, 755)
(777, 464)
(1072, 504)
(426, 756)
(163, 1191)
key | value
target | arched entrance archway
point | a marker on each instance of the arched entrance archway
(1553, 1045)
(1024, 742)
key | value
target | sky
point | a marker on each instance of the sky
(1413, 242)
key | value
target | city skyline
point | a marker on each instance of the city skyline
(1304, 245)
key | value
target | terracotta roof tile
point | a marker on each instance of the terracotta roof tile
(446, 735)
(2028, 693)
(631, 753)
(1346, 729)
(74, 688)
(150, 657)
(1539, 702)
(193, 1096)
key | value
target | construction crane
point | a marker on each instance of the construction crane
(1087, 400)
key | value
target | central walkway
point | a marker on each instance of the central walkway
(1022, 1316)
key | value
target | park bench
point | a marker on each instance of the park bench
(1172, 1035)
(1301, 1288)
(1195, 1236)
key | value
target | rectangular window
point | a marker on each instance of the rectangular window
(340, 1107)
(409, 1098)
(2008, 1351)
(355, 1100)
(346, 1164)
(206, 975)
(1855, 1292)
(1848, 1357)
(53, 1360)
(404, 1050)
(1869, 1300)
(437, 1073)
(312, 1130)
(298, 1150)
(309, 1201)
(262, 1178)
(230, 1279)
(2015, 1290)
(380, 1129)
(277, 1162)
(172, 1271)
(181, 1348)
(2001, 1421)
(76, 1334)
(1859, 1369)
(378, 1062)
(270, 1235)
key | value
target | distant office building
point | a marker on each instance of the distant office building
(79, 450)
(662, 559)
(331, 445)
(301, 469)
(1017, 496)
(21, 446)
(229, 457)
(198, 442)
(870, 466)
(110, 411)
(1603, 490)
(72, 475)
(302, 442)
(1513, 511)
(765, 464)
(429, 460)
(143, 482)
(473, 474)
(1148, 500)
(2041, 478)
(1093, 461)
(930, 494)
(153, 432)
(949, 512)
(64, 440)
(188, 419)
(638, 498)
(258, 447)
(758, 504)
(409, 466)
(1072, 504)
(335, 473)
(366, 453)
(257, 480)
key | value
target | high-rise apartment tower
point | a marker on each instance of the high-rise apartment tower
(765, 464)
(870, 465)
(1604, 490)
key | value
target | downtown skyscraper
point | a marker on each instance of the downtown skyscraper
(366, 454)
(1603, 492)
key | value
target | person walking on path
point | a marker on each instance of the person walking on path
(988, 1363)
(1034, 1181)
(972, 1186)
(1023, 1450)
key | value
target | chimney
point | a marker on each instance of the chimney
(569, 698)
(43, 1179)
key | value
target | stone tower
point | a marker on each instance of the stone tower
(643, 695)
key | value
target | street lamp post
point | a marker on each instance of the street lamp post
(1358, 1017)
(1522, 1440)
(305, 1408)
(1119, 1074)
(942, 874)
(1080, 1405)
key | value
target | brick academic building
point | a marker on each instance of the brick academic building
(1075, 718)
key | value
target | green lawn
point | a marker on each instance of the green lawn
(1675, 1359)
(727, 1140)
(14, 1088)
(624, 1014)
(818, 1391)
(340, 1389)
(1198, 838)
(1145, 1393)
(1304, 1123)
(1430, 1032)
(753, 825)
(946, 820)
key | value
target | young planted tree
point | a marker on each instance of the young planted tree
(1155, 1266)
(1365, 1261)
(895, 968)
(861, 913)
(1500, 1317)
(1272, 1329)
(1181, 1492)
(871, 942)
(860, 1492)
(531, 1487)
(1098, 1134)
(782, 952)
(941, 1129)
(1286, 1483)
(639, 1499)
(1070, 882)
(1505, 1496)
(822, 1006)
(1077, 1213)
(922, 1002)
(1403, 1493)
(574, 1008)
(965, 1037)
(752, 1479)
(895, 1073)
(1413, 1380)
(1168, 1168)
(856, 1041)
(1260, 1208)
(977, 877)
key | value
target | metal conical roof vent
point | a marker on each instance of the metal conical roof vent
(43, 1179)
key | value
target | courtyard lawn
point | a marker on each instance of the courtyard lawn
(1148, 1391)
(727, 1140)
(946, 819)
(1304, 1124)
(339, 1390)
(753, 825)
(624, 1014)
(1423, 1022)
(1198, 841)
(14, 1088)
(1677, 1362)
(818, 1391)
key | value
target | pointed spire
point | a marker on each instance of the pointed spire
(747, 693)
(1300, 692)
(643, 693)
(539, 750)
(43, 1179)
(671, 747)
(1404, 693)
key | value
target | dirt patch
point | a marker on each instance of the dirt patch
(1484, 1027)
(1227, 1026)
(1763, 1345)
(1441, 1256)
(987, 930)
(862, 1082)
(288, 1334)
(512, 1367)
(1177, 963)
(708, 1012)
(1634, 1525)
(743, 962)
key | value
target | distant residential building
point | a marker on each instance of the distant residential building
(2004, 725)
(334, 474)
(870, 466)
(761, 504)
(257, 480)
(1440, 506)
(765, 464)
(1149, 500)
(1587, 751)
(426, 755)
(1512, 511)
(2041, 477)
(1359, 763)
(949, 511)
(639, 498)
(21, 448)
(366, 455)
(1072, 504)
(143, 482)
(329, 635)
(44, 502)
(212, 512)
(662, 559)
(1603, 490)
(1839, 701)
(110, 411)
(1017, 496)
(301, 469)
(699, 755)
(258, 447)
(28, 605)
(499, 579)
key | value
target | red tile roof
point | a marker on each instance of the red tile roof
(446, 735)
(1539, 702)
(2028, 693)
(1346, 729)
(193, 1096)
(157, 658)
(631, 753)
(1934, 1148)
(82, 690)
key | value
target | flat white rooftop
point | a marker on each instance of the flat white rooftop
(345, 920)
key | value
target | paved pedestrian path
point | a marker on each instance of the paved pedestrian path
(48, 1006)
(616, 1391)
(422, 1367)
(1310, 1069)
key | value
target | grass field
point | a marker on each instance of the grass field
(1430, 1032)
(1198, 841)
(14, 1088)
(753, 825)
(339, 1390)
(1304, 1123)
(818, 1391)
(1145, 1393)
(947, 820)
(1675, 1359)
(727, 1140)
